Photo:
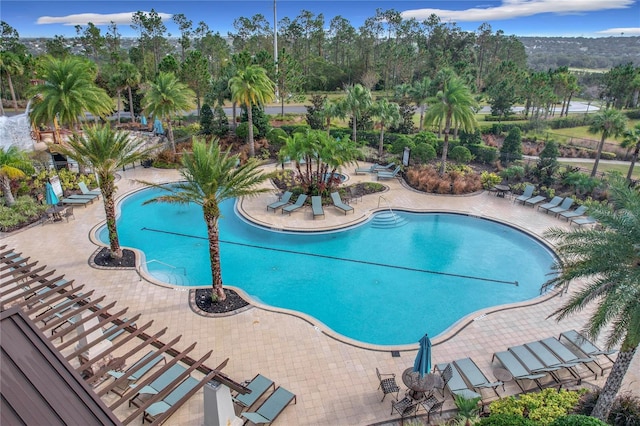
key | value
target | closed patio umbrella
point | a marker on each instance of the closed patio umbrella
(50, 195)
(143, 120)
(422, 364)
(157, 127)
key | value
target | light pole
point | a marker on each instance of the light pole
(275, 46)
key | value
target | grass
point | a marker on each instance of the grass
(623, 169)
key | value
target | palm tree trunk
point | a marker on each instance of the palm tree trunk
(445, 146)
(119, 105)
(381, 143)
(634, 158)
(233, 116)
(131, 103)
(170, 135)
(252, 146)
(13, 92)
(421, 118)
(612, 386)
(214, 255)
(107, 188)
(598, 154)
(6, 190)
(354, 129)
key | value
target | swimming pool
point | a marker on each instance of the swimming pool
(384, 283)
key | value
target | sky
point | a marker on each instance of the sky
(568, 18)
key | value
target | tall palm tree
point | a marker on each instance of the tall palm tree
(357, 102)
(68, 92)
(11, 65)
(210, 176)
(609, 122)
(607, 259)
(388, 114)
(331, 108)
(106, 151)
(130, 78)
(419, 93)
(252, 86)
(632, 140)
(165, 97)
(453, 106)
(14, 164)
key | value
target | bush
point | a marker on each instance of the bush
(398, 144)
(512, 146)
(625, 410)
(242, 131)
(461, 154)
(506, 420)
(423, 153)
(577, 420)
(489, 180)
(512, 173)
(425, 137)
(25, 210)
(484, 154)
(543, 407)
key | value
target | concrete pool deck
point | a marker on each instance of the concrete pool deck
(335, 382)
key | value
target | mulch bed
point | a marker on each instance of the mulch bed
(103, 258)
(232, 303)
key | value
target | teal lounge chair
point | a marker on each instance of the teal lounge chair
(295, 206)
(587, 347)
(316, 206)
(389, 175)
(337, 202)
(77, 201)
(584, 221)
(259, 385)
(581, 210)
(475, 377)
(271, 408)
(381, 168)
(555, 202)
(183, 391)
(87, 191)
(136, 371)
(517, 370)
(281, 202)
(567, 356)
(156, 386)
(565, 206)
(363, 170)
(528, 192)
(553, 363)
(456, 383)
(534, 200)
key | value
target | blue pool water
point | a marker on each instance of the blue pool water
(384, 284)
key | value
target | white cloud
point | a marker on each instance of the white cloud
(518, 8)
(623, 31)
(95, 18)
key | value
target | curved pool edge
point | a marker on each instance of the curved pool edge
(441, 338)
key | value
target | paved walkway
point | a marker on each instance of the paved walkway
(335, 382)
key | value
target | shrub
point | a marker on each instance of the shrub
(489, 180)
(398, 144)
(461, 154)
(484, 154)
(506, 420)
(512, 146)
(242, 131)
(25, 210)
(625, 410)
(577, 420)
(425, 137)
(276, 137)
(543, 407)
(423, 153)
(206, 119)
(220, 124)
(512, 173)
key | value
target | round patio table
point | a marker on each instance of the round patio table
(501, 190)
(420, 386)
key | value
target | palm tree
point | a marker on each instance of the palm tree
(11, 65)
(68, 92)
(330, 109)
(632, 140)
(251, 86)
(357, 102)
(388, 114)
(130, 77)
(210, 176)
(607, 259)
(609, 122)
(165, 97)
(106, 151)
(14, 164)
(419, 93)
(453, 106)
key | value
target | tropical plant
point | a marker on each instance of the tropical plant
(130, 78)
(251, 86)
(452, 107)
(14, 164)
(165, 97)
(547, 164)
(10, 64)
(609, 122)
(632, 141)
(105, 151)
(206, 119)
(512, 146)
(419, 93)
(356, 103)
(542, 407)
(577, 420)
(607, 260)
(468, 410)
(388, 114)
(210, 176)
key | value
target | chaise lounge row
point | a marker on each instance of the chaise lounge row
(559, 206)
(316, 204)
(270, 407)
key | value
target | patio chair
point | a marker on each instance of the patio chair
(445, 375)
(337, 202)
(553, 363)
(584, 221)
(364, 170)
(534, 200)
(567, 356)
(82, 197)
(379, 167)
(405, 407)
(66, 213)
(283, 201)
(136, 371)
(517, 370)
(528, 193)
(565, 206)
(272, 407)
(78, 201)
(156, 386)
(295, 206)
(431, 405)
(387, 384)
(456, 384)
(389, 175)
(555, 201)
(87, 191)
(174, 397)
(581, 210)
(475, 377)
(259, 385)
(316, 206)
(587, 347)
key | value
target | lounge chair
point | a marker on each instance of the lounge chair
(259, 385)
(553, 363)
(534, 200)
(316, 206)
(517, 370)
(475, 377)
(581, 210)
(337, 202)
(567, 356)
(555, 201)
(79, 201)
(295, 206)
(271, 408)
(587, 347)
(381, 168)
(584, 221)
(82, 197)
(363, 170)
(87, 191)
(136, 371)
(283, 201)
(387, 384)
(158, 384)
(180, 392)
(528, 193)
(456, 384)
(389, 175)
(564, 207)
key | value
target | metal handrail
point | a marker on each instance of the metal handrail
(395, 216)
(184, 270)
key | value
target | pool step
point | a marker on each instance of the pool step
(387, 219)
(171, 278)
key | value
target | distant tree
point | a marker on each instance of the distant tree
(315, 112)
(420, 92)
(512, 146)
(388, 113)
(169, 64)
(220, 122)
(357, 103)
(10, 65)
(14, 164)
(206, 120)
(57, 47)
(609, 122)
(195, 73)
(131, 79)
(632, 141)
(547, 164)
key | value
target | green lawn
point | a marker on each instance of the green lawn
(623, 169)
